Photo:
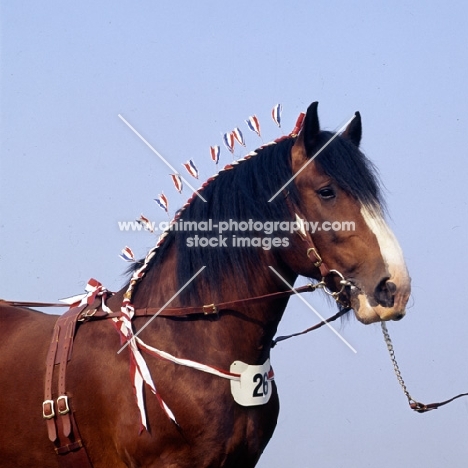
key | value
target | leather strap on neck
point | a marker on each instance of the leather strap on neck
(207, 309)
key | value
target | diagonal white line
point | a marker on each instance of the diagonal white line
(312, 158)
(312, 309)
(162, 308)
(158, 155)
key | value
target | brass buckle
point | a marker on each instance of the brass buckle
(52, 411)
(63, 398)
(210, 309)
(85, 315)
(317, 256)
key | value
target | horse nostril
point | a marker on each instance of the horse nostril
(385, 293)
(391, 287)
(398, 317)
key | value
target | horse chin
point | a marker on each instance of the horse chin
(367, 313)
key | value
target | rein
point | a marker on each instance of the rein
(339, 314)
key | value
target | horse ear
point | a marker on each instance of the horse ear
(304, 144)
(353, 131)
(310, 129)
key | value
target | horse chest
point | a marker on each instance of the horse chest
(229, 436)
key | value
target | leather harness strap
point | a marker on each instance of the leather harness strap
(95, 312)
(61, 425)
(212, 309)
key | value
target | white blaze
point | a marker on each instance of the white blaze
(392, 255)
(389, 247)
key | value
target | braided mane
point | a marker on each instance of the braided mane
(238, 192)
(241, 192)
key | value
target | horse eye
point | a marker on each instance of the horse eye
(326, 193)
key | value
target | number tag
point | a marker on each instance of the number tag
(254, 387)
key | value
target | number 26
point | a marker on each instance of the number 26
(262, 386)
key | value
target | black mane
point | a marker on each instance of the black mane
(242, 193)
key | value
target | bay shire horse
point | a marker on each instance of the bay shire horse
(195, 388)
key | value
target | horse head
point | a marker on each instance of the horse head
(338, 194)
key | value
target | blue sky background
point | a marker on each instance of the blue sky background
(183, 73)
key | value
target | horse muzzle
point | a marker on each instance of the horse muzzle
(387, 301)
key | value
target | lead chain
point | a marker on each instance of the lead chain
(396, 368)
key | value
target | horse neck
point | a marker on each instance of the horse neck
(243, 332)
